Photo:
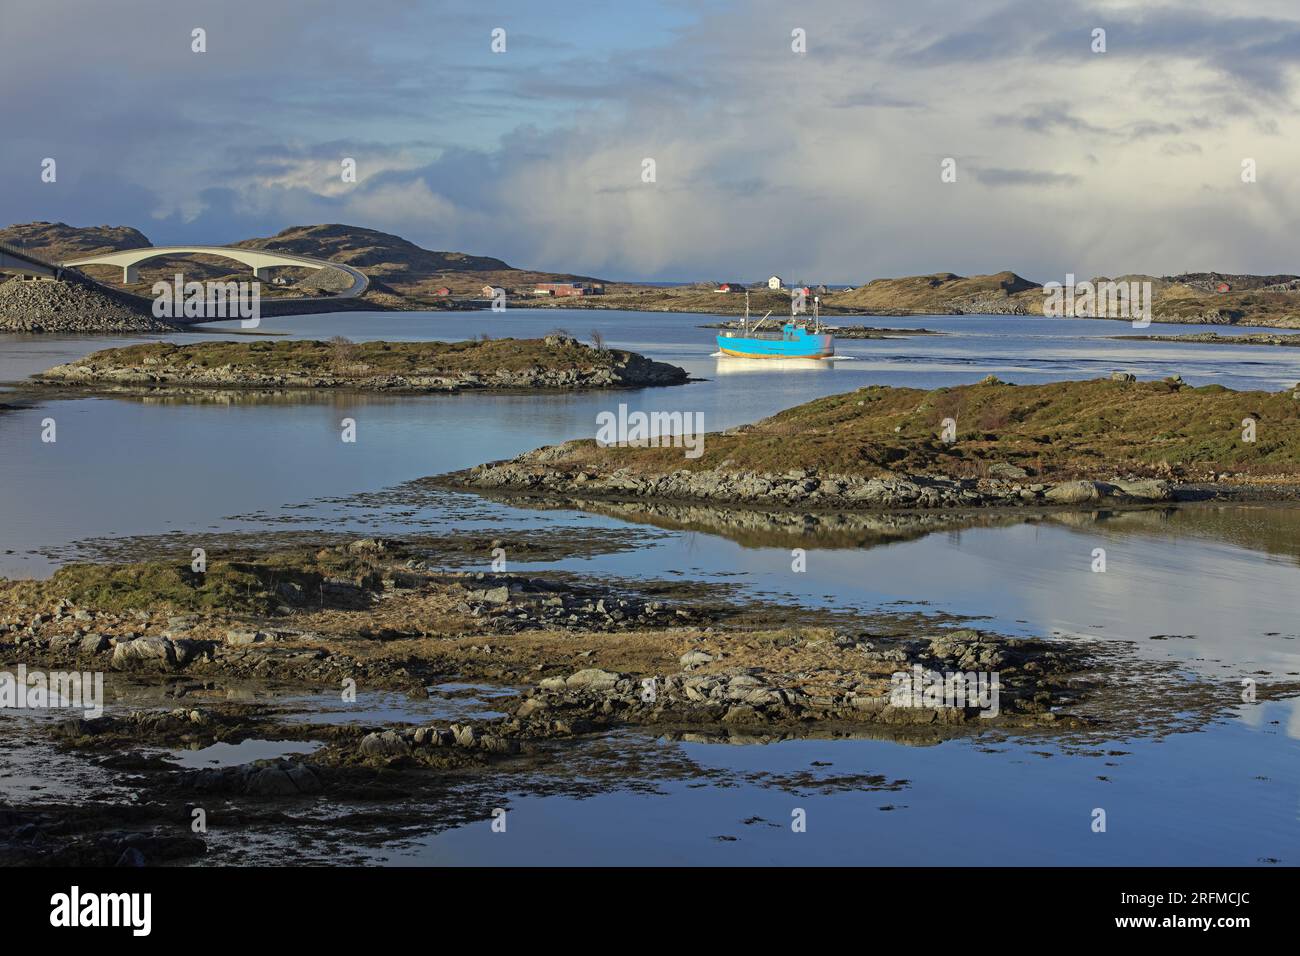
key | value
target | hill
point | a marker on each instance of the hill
(57, 241)
(407, 276)
(404, 275)
(944, 293)
(379, 254)
(1192, 298)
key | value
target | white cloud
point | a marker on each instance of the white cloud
(824, 164)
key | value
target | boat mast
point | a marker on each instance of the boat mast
(746, 310)
(817, 322)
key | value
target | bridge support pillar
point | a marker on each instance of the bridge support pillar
(130, 274)
(262, 273)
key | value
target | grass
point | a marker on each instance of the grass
(250, 584)
(1089, 429)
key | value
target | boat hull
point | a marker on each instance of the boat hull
(806, 345)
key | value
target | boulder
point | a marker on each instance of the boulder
(1074, 492)
(1007, 471)
(530, 706)
(241, 638)
(499, 595)
(1147, 489)
(187, 650)
(386, 744)
(144, 652)
(465, 735)
(279, 778)
(593, 678)
(94, 644)
(302, 777)
(740, 714)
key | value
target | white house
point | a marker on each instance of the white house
(774, 282)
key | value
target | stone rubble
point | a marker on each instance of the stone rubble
(73, 305)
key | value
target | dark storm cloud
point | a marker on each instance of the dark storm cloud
(1023, 177)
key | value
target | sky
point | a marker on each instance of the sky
(823, 164)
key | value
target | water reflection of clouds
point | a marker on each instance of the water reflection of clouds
(1216, 603)
(1262, 714)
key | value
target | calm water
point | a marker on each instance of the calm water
(1209, 588)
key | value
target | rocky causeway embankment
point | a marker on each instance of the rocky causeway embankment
(73, 306)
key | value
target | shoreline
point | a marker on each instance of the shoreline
(1214, 338)
(783, 493)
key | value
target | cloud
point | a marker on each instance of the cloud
(824, 164)
(1048, 118)
(873, 97)
(1023, 177)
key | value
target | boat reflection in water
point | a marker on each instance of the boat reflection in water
(733, 365)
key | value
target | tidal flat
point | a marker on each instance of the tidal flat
(220, 676)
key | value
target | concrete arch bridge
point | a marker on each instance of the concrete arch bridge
(259, 260)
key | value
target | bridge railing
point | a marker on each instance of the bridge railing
(22, 253)
(12, 252)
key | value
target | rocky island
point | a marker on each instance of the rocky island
(1115, 440)
(554, 362)
(1288, 340)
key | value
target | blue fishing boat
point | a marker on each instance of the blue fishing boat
(794, 340)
